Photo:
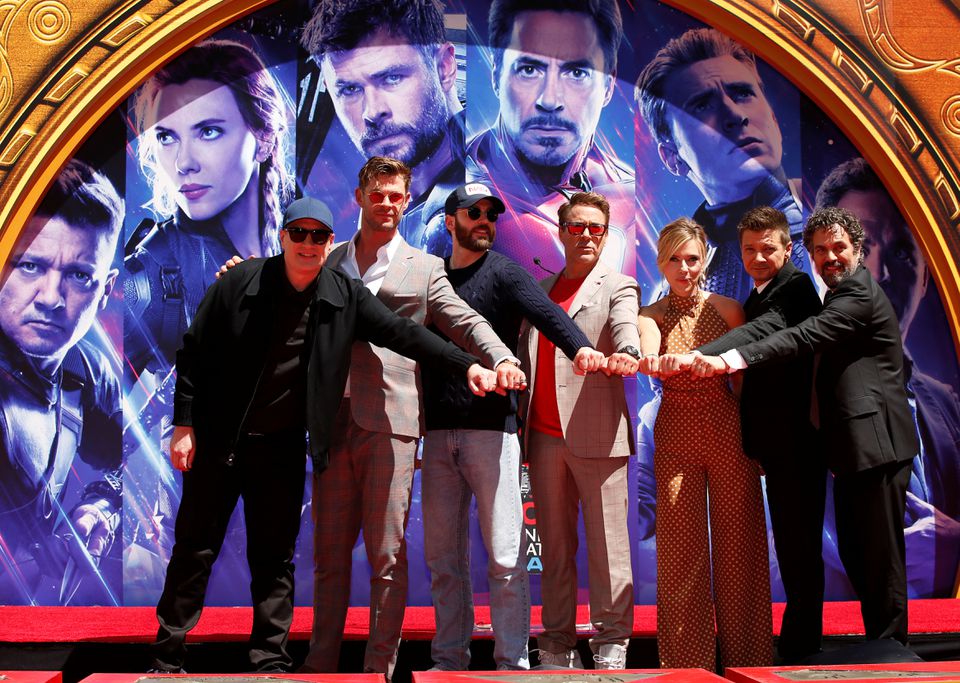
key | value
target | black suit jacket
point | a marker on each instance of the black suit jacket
(224, 350)
(775, 397)
(865, 420)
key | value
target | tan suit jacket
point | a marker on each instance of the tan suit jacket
(385, 386)
(593, 408)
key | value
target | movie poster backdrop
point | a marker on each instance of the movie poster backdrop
(176, 232)
(61, 329)
(199, 189)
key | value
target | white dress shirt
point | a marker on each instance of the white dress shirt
(373, 277)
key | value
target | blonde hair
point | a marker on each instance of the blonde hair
(674, 235)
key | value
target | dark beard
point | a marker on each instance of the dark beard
(466, 239)
(834, 281)
(427, 133)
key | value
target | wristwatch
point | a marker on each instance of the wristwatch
(630, 350)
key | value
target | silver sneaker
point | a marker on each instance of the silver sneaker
(611, 656)
(568, 660)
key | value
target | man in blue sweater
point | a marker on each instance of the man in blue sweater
(471, 446)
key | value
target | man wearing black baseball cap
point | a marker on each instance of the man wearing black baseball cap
(244, 380)
(471, 446)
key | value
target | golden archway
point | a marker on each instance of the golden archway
(890, 79)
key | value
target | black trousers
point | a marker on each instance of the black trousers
(869, 509)
(796, 495)
(268, 472)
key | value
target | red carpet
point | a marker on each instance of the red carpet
(138, 624)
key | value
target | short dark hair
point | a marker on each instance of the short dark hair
(852, 174)
(378, 166)
(594, 199)
(343, 24)
(605, 14)
(83, 198)
(689, 48)
(826, 218)
(761, 218)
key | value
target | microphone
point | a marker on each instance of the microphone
(537, 262)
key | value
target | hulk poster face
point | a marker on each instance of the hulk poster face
(534, 103)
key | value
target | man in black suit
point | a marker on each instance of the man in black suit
(270, 338)
(796, 476)
(866, 427)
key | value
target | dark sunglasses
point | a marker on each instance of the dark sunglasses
(475, 213)
(392, 197)
(577, 229)
(298, 235)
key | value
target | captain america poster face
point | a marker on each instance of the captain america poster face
(723, 135)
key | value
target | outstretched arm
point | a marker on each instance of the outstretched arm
(460, 323)
(648, 325)
(845, 314)
(546, 316)
(378, 324)
(796, 302)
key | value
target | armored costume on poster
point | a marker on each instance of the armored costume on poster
(527, 233)
(44, 423)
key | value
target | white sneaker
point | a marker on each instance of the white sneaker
(611, 656)
(568, 660)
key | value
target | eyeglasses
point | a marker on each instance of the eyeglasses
(298, 235)
(475, 213)
(392, 197)
(577, 229)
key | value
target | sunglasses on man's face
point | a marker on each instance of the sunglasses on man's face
(475, 212)
(377, 197)
(298, 235)
(577, 229)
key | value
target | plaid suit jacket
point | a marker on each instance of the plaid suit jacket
(593, 408)
(385, 386)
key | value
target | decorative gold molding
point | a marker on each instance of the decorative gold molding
(66, 64)
(892, 85)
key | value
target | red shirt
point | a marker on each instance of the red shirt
(544, 415)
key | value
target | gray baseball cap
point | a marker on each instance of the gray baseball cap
(308, 207)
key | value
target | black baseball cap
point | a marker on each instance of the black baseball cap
(467, 195)
(308, 208)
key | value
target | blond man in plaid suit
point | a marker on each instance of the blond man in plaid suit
(367, 484)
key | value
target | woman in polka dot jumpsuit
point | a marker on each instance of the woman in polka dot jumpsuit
(698, 449)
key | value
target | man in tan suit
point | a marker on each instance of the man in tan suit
(579, 440)
(368, 481)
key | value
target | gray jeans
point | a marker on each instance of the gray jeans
(458, 464)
